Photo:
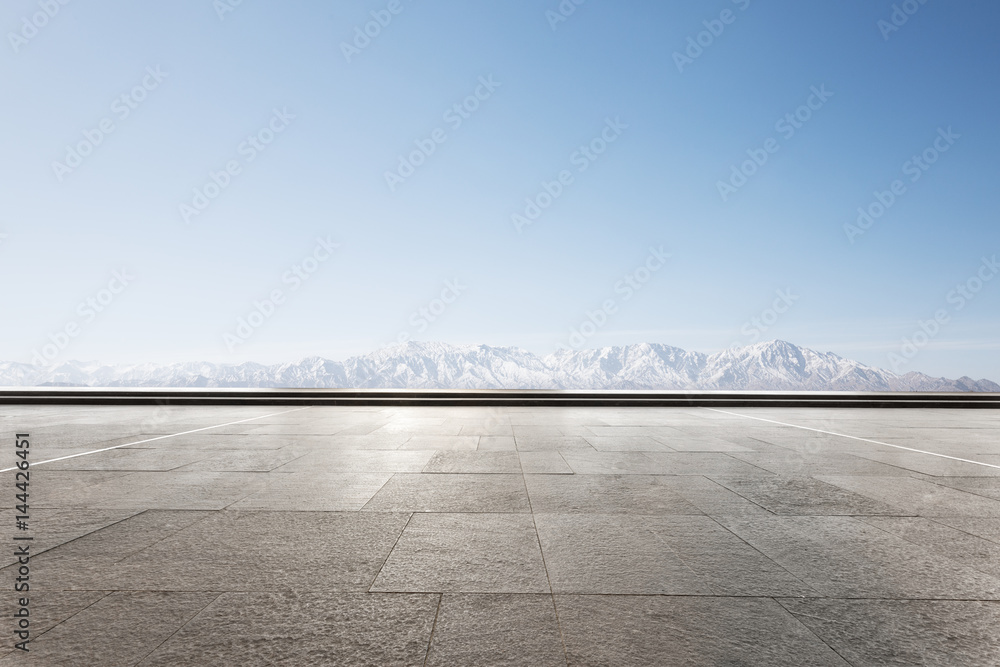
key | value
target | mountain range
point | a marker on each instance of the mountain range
(772, 365)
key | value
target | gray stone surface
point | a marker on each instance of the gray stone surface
(250, 629)
(605, 494)
(474, 462)
(465, 553)
(119, 630)
(607, 631)
(313, 491)
(451, 493)
(803, 496)
(509, 536)
(904, 632)
(497, 631)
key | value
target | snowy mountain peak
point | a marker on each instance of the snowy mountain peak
(770, 365)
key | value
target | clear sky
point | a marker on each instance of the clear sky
(203, 149)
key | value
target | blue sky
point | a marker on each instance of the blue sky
(206, 88)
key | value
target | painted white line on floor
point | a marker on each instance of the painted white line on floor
(853, 437)
(159, 437)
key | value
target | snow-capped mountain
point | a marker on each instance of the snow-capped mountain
(774, 365)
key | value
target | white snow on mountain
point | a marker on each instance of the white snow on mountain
(773, 365)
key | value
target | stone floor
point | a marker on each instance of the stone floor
(506, 536)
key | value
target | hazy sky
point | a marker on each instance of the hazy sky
(694, 165)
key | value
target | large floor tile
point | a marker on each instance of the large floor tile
(803, 496)
(605, 494)
(353, 630)
(119, 630)
(236, 551)
(655, 631)
(451, 493)
(846, 557)
(497, 631)
(465, 553)
(904, 632)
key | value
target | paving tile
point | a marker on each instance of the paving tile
(358, 461)
(711, 497)
(390, 441)
(630, 443)
(610, 463)
(930, 465)
(445, 442)
(702, 463)
(552, 443)
(496, 631)
(465, 553)
(60, 488)
(131, 459)
(701, 443)
(251, 629)
(952, 543)
(497, 443)
(614, 432)
(45, 611)
(118, 630)
(904, 632)
(613, 554)
(117, 541)
(918, 497)
(474, 462)
(725, 562)
(547, 429)
(313, 492)
(846, 557)
(988, 487)
(803, 496)
(652, 631)
(427, 430)
(550, 463)
(986, 528)
(242, 551)
(219, 442)
(486, 429)
(171, 490)
(49, 528)
(244, 461)
(799, 464)
(451, 493)
(604, 494)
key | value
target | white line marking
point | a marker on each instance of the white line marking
(159, 437)
(852, 437)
